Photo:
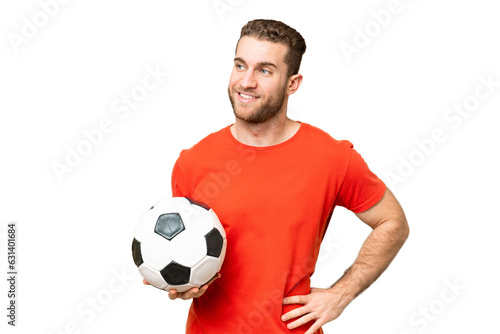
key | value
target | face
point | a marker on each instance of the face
(258, 83)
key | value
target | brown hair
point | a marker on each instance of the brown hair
(278, 32)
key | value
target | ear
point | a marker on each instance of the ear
(294, 83)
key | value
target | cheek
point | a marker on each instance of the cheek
(234, 78)
(270, 89)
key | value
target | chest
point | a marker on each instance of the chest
(265, 195)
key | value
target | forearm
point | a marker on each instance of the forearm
(377, 252)
(390, 231)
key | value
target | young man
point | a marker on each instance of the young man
(274, 183)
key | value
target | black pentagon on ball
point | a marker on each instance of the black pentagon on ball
(169, 225)
(136, 252)
(195, 202)
(215, 241)
(176, 274)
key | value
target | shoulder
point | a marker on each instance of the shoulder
(321, 141)
(205, 146)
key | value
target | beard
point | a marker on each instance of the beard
(263, 112)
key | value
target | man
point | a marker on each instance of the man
(274, 183)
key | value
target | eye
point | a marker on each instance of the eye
(239, 66)
(264, 71)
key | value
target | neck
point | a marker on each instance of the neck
(271, 132)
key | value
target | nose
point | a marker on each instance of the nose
(248, 80)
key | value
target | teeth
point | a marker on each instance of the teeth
(246, 96)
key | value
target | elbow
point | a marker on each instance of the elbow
(403, 230)
(398, 230)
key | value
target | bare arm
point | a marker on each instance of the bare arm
(390, 231)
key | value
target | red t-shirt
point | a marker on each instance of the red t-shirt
(275, 204)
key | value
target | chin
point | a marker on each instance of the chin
(244, 116)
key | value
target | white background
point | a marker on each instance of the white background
(75, 230)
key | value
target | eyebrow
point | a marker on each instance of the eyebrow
(261, 64)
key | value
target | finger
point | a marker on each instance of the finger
(145, 282)
(201, 291)
(189, 294)
(295, 300)
(315, 327)
(204, 288)
(193, 292)
(216, 277)
(301, 321)
(172, 294)
(294, 313)
(213, 279)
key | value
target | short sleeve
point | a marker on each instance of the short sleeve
(361, 188)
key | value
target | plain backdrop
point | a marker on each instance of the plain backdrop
(390, 76)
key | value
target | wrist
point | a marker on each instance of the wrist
(349, 286)
(343, 293)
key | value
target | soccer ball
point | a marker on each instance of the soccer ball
(179, 244)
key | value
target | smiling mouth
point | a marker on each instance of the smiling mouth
(246, 97)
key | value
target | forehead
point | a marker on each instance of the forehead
(253, 50)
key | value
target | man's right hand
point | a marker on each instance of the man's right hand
(191, 293)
